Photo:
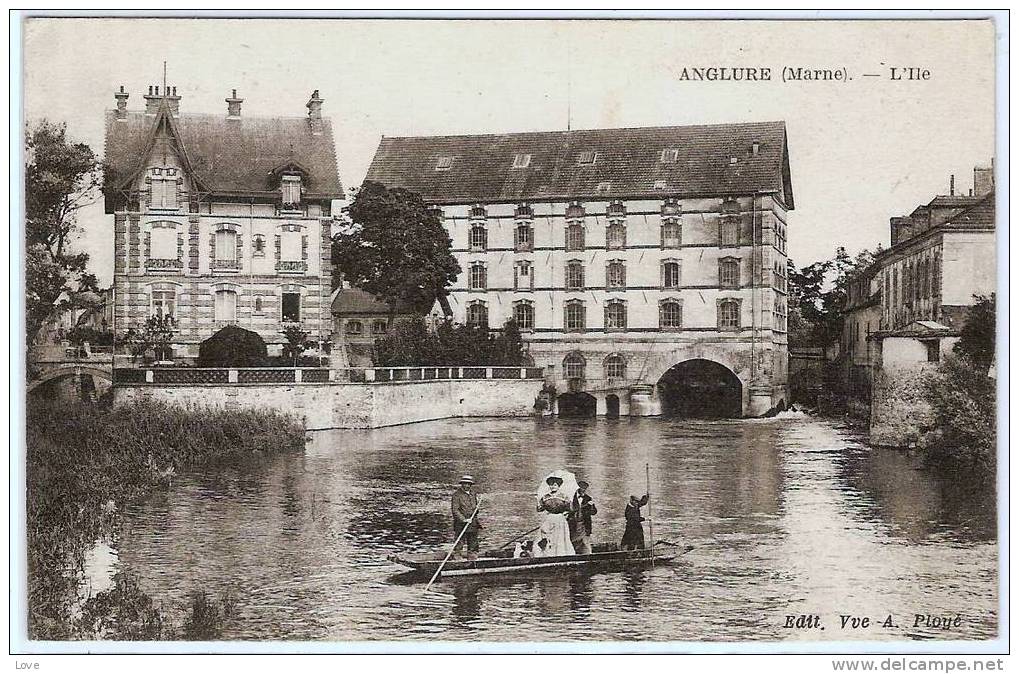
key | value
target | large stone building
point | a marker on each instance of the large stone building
(645, 266)
(220, 219)
(906, 310)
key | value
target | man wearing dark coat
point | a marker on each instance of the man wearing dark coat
(463, 504)
(580, 519)
(633, 535)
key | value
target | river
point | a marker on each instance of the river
(787, 516)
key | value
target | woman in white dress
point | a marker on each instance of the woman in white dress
(555, 530)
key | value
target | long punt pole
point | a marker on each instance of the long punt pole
(455, 543)
(650, 518)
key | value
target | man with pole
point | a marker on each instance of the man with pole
(464, 505)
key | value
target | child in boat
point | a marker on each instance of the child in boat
(555, 530)
(633, 535)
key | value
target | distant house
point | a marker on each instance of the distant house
(359, 318)
(918, 294)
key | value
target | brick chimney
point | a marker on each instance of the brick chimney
(154, 99)
(121, 97)
(233, 106)
(983, 179)
(314, 106)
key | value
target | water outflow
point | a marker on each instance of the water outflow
(788, 516)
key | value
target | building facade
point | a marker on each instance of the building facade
(919, 292)
(220, 219)
(645, 267)
(360, 318)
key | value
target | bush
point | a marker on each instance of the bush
(233, 347)
(411, 344)
(962, 399)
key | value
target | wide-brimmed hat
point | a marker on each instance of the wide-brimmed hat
(583, 484)
(551, 479)
(467, 478)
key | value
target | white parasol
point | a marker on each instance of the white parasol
(568, 488)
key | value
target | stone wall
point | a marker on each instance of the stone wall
(350, 405)
(899, 410)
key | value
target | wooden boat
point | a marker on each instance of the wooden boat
(603, 556)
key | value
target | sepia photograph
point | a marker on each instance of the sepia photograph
(509, 334)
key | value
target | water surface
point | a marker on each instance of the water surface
(788, 517)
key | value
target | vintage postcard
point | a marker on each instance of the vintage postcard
(406, 335)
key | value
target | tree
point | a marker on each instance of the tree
(963, 401)
(60, 179)
(978, 338)
(297, 342)
(157, 334)
(817, 297)
(394, 247)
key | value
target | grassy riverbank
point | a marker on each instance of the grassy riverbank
(83, 464)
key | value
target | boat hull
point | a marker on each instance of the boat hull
(497, 562)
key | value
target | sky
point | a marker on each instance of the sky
(861, 150)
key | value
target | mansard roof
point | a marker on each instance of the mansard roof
(226, 156)
(978, 216)
(628, 163)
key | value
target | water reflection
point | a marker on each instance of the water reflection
(786, 516)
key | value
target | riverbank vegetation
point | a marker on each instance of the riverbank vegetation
(84, 464)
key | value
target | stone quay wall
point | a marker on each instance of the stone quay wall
(346, 404)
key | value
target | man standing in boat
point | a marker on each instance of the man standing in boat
(580, 519)
(633, 535)
(464, 504)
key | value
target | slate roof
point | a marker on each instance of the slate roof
(630, 160)
(229, 156)
(977, 216)
(354, 301)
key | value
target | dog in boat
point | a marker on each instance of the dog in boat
(526, 548)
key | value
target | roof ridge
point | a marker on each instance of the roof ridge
(598, 129)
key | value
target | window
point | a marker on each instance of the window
(728, 315)
(575, 237)
(258, 246)
(523, 276)
(163, 242)
(291, 307)
(615, 315)
(290, 188)
(728, 272)
(523, 314)
(933, 350)
(478, 276)
(615, 236)
(936, 276)
(163, 189)
(573, 366)
(258, 304)
(575, 316)
(477, 314)
(728, 231)
(575, 275)
(670, 155)
(615, 274)
(617, 209)
(659, 185)
(587, 158)
(672, 234)
(670, 274)
(478, 212)
(291, 246)
(523, 211)
(615, 367)
(670, 315)
(225, 307)
(603, 187)
(523, 237)
(443, 163)
(479, 238)
(379, 327)
(354, 328)
(521, 160)
(164, 303)
(226, 245)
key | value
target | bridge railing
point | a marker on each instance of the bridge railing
(185, 376)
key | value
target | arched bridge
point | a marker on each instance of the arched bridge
(53, 363)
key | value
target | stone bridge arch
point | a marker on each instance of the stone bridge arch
(70, 370)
